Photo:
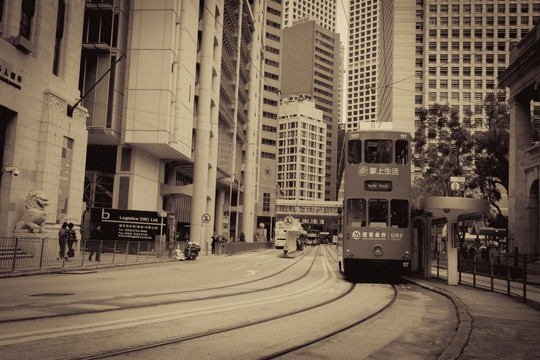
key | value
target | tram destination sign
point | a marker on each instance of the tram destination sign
(120, 224)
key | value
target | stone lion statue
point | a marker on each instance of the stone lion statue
(34, 216)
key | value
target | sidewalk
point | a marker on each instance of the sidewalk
(78, 263)
(491, 325)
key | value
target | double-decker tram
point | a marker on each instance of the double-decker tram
(376, 239)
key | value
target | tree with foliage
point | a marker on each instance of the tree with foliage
(491, 153)
(443, 147)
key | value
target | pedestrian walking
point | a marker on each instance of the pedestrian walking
(214, 242)
(62, 240)
(71, 239)
(95, 242)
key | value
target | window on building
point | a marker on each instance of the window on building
(266, 202)
(444, 97)
(27, 14)
(60, 15)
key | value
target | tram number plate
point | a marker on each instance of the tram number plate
(405, 264)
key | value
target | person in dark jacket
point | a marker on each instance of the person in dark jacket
(95, 242)
(71, 239)
(62, 240)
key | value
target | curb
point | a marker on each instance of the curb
(465, 321)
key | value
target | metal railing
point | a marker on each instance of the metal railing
(39, 253)
(512, 274)
(33, 253)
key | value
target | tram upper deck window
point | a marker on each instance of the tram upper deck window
(399, 210)
(356, 212)
(379, 151)
(378, 212)
(402, 152)
(355, 152)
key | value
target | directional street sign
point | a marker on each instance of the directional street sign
(457, 183)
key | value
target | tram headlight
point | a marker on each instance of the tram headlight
(378, 250)
(407, 256)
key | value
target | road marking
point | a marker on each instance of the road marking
(241, 267)
(251, 272)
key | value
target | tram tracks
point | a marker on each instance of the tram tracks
(116, 303)
(213, 325)
(292, 317)
(7, 339)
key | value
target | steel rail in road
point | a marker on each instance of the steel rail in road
(131, 305)
(329, 276)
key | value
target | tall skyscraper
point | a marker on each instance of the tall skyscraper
(271, 78)
(312, 66)
(302, 150)
(459, 47)
(322, 11)
(380, 85)
(174, 125)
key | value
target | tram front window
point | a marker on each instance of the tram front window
(399, 210)
(378, 212)
(356, 214)
(378, 151)
(355, 152)
(402, 152)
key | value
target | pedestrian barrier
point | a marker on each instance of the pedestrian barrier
(38, 253)
(35, 253)
(514, 270)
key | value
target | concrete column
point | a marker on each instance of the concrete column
(202, 140)
(220, 202)
(520, 138)
(250, 176)
(452, 252)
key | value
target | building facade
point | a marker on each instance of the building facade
(271, 79)
(461, 49)
(174, 111)
(458, 47)
(380, 84)
(42, 148)
(312, 65)
(522, 78)
(321, 11)
(301, 150)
